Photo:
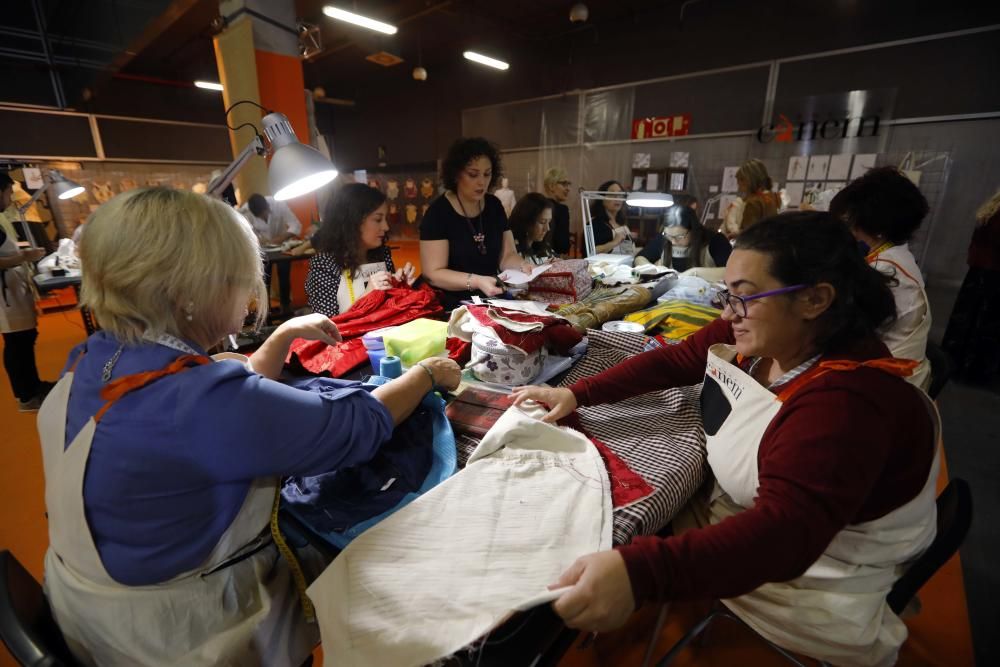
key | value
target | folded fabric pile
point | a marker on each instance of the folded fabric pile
(674, 319)
(604, 305)
(375, 310)
(526, 331)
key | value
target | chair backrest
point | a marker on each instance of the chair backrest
(26, 624)
(954, 516)
(940, 369)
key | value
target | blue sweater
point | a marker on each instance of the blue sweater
(171, 463)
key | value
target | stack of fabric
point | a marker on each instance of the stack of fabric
(604, 305)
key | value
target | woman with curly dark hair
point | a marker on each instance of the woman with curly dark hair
(883, 209)
(529, 223)
(465, 240)
(352, 257)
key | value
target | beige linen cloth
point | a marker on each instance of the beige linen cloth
(450, 566)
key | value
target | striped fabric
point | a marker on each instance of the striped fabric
(658, 435)
(674, 319)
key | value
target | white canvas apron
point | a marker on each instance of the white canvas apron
(17, 300)
(246, 613)
(837, 610)
(913, 346)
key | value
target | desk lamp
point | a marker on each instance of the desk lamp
(295, 169)
(63, 189)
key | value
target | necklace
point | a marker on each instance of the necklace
(479, 237)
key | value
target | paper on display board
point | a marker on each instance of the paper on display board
(797, 167)
(793, 192)
(636, 183)
(818, 166)
(862, 163)
(840, 167)
(676, 181)
(641, 160)
(729, 179)
(652, 182)
(680, 159)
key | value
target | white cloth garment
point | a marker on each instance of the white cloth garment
(837, 610)
(506, 197)
(247, 613)
(280, 220)
(448, 567)
(361, 283)
(17, 300)
(906, 338)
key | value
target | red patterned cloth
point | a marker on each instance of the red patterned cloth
(556, 333)
(375, 310)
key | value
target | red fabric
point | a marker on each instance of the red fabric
(474, 411)
(848, 447)
(459, 351)
(377, 309)
(556, 332)
(627, 486)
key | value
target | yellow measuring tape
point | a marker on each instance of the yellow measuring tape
(298, 576)
(873, 254)
(350, 285)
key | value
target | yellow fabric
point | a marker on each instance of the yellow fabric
(674, 319)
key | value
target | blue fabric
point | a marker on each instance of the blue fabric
(171, 463)
(337, 507)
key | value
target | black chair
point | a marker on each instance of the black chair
(26, 624)
(940, 369)
(954, 517)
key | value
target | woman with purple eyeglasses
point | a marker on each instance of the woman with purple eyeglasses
(822, 457)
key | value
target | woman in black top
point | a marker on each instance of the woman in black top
(465, 240)
(685, 243)
(529, 223)
(557, 189)
(611, 233)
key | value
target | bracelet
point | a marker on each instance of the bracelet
(430, 373)
(468, 282)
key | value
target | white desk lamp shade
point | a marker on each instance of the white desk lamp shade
(649, 199)
(295, 169)
(62, 187)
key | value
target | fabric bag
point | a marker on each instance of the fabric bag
(567, 281)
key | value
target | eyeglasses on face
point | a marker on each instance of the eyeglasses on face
(738, 304)
(676, 237)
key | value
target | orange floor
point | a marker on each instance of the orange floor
(939, 635)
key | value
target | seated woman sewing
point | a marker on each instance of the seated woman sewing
(685, 243)
(352, 251)
(162, 463)
(823, 457)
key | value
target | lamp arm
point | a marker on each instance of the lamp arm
(222, 181)
(35, 197)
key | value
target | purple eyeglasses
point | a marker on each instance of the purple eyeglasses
(738, 304)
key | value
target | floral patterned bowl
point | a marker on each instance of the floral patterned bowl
(493, 361)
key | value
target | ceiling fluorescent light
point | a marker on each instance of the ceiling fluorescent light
(357, 19)
(208, 85)
(485, 60)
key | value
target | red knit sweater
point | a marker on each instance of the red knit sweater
(847, 447)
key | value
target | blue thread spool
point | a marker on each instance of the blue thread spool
(390, 367)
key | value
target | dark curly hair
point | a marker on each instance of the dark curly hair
(812, 247)
(464, 151)
(883, 203)
(340, 233)
(522, 221)
(597, 210)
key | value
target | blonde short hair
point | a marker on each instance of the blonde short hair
(754, 174)
(159, 261)
(553, 176)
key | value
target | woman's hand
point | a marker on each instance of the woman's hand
(380, 280)
(315, 326)
(447, 374)
(601, 598)
(559, 400)
(32, 254)
(487, 285)
(407, 274)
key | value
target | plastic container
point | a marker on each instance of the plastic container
(373, 340)
(375, 357)
(416, 340)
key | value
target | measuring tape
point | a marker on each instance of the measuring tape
(350, 285)
(298, 576)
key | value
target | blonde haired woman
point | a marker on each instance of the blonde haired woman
(973, 333)
(756, 202)
(162, 463)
